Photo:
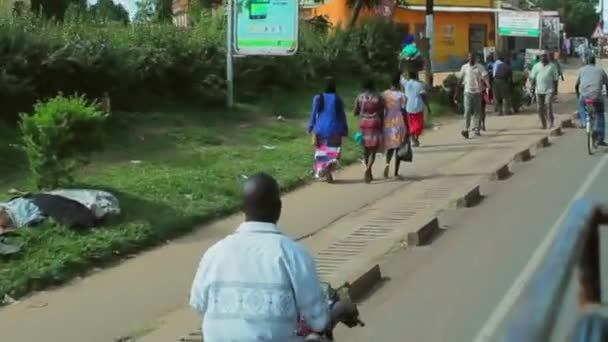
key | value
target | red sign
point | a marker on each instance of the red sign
(598, 33)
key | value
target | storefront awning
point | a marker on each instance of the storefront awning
(458, 9)
(464, 9)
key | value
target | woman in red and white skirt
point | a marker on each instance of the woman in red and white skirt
(415, 93)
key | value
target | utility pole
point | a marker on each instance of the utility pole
(229, 55)
(429, 39)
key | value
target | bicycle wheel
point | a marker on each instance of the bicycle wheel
(591, 139)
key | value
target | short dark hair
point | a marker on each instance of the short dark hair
(412, 74)
(591, 60)
(396, 80)
(330, 85)
(368, 84)
(261, 198)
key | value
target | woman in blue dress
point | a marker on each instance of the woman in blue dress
(327, 126)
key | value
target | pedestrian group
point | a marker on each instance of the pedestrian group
(390, 121)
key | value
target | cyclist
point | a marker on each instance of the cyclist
(256, 284)
(589, 83)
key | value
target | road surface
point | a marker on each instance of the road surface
(448, 290)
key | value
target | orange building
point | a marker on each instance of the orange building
(459, 26)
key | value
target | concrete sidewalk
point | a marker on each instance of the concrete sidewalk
(132, 296)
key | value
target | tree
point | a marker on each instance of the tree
(146, 11)
(357, 6)
(164, 11)
(579, 16)
(54, 8)
(109, 10)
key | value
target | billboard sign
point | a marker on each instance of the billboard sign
(266, 27)
(518, 23)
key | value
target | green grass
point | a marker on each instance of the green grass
(190, 173)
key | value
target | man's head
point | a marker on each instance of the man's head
(261, 199)
(544, 57)
(471, 58)
(591, 60)
(412, 75)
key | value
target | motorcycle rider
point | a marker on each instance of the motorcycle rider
(257, 284)
(589, 83)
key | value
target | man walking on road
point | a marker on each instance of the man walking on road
(503, 78)
(256, 284)
(473, 76)
(589, 83)
(560, 73)
(543, 78)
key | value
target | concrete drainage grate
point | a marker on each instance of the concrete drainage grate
(384, 223)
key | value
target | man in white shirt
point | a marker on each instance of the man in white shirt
(473, 76)
(257, 284)
(543, 77)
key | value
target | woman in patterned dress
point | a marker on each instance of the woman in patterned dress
(370, 110)
(395, 129)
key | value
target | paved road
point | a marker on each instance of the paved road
(447, 291)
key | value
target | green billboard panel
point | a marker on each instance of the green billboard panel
(266, 27)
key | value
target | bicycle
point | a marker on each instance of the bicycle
(591, 107)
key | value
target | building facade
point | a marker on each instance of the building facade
(460, 26)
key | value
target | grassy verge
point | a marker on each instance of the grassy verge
(171, 171)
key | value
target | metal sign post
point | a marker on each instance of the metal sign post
(540, 34)
(259, 28)
(430, 7)
(229, 54)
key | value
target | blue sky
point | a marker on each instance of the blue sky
(128, 4)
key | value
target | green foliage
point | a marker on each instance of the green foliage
(54, 8)
(164, 11)
(141, 65)
(146, 11)
(519, 80)
(59, 137)
(579, 16)
(109, 10)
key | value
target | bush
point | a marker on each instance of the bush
(59, 137)
(141, 64)
(519, 80)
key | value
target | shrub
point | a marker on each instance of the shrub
(141, 64)
(519, 80)
(60, 136)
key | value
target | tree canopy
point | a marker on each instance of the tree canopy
(109, 10)
(579, 16)
(55, 8)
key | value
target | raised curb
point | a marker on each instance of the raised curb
(502, 173)
(544, 142)
(523, 156)
(364, 283)
(370, 278)
(556, 132)
(469, 199)
(569, 123)
(425, 234)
